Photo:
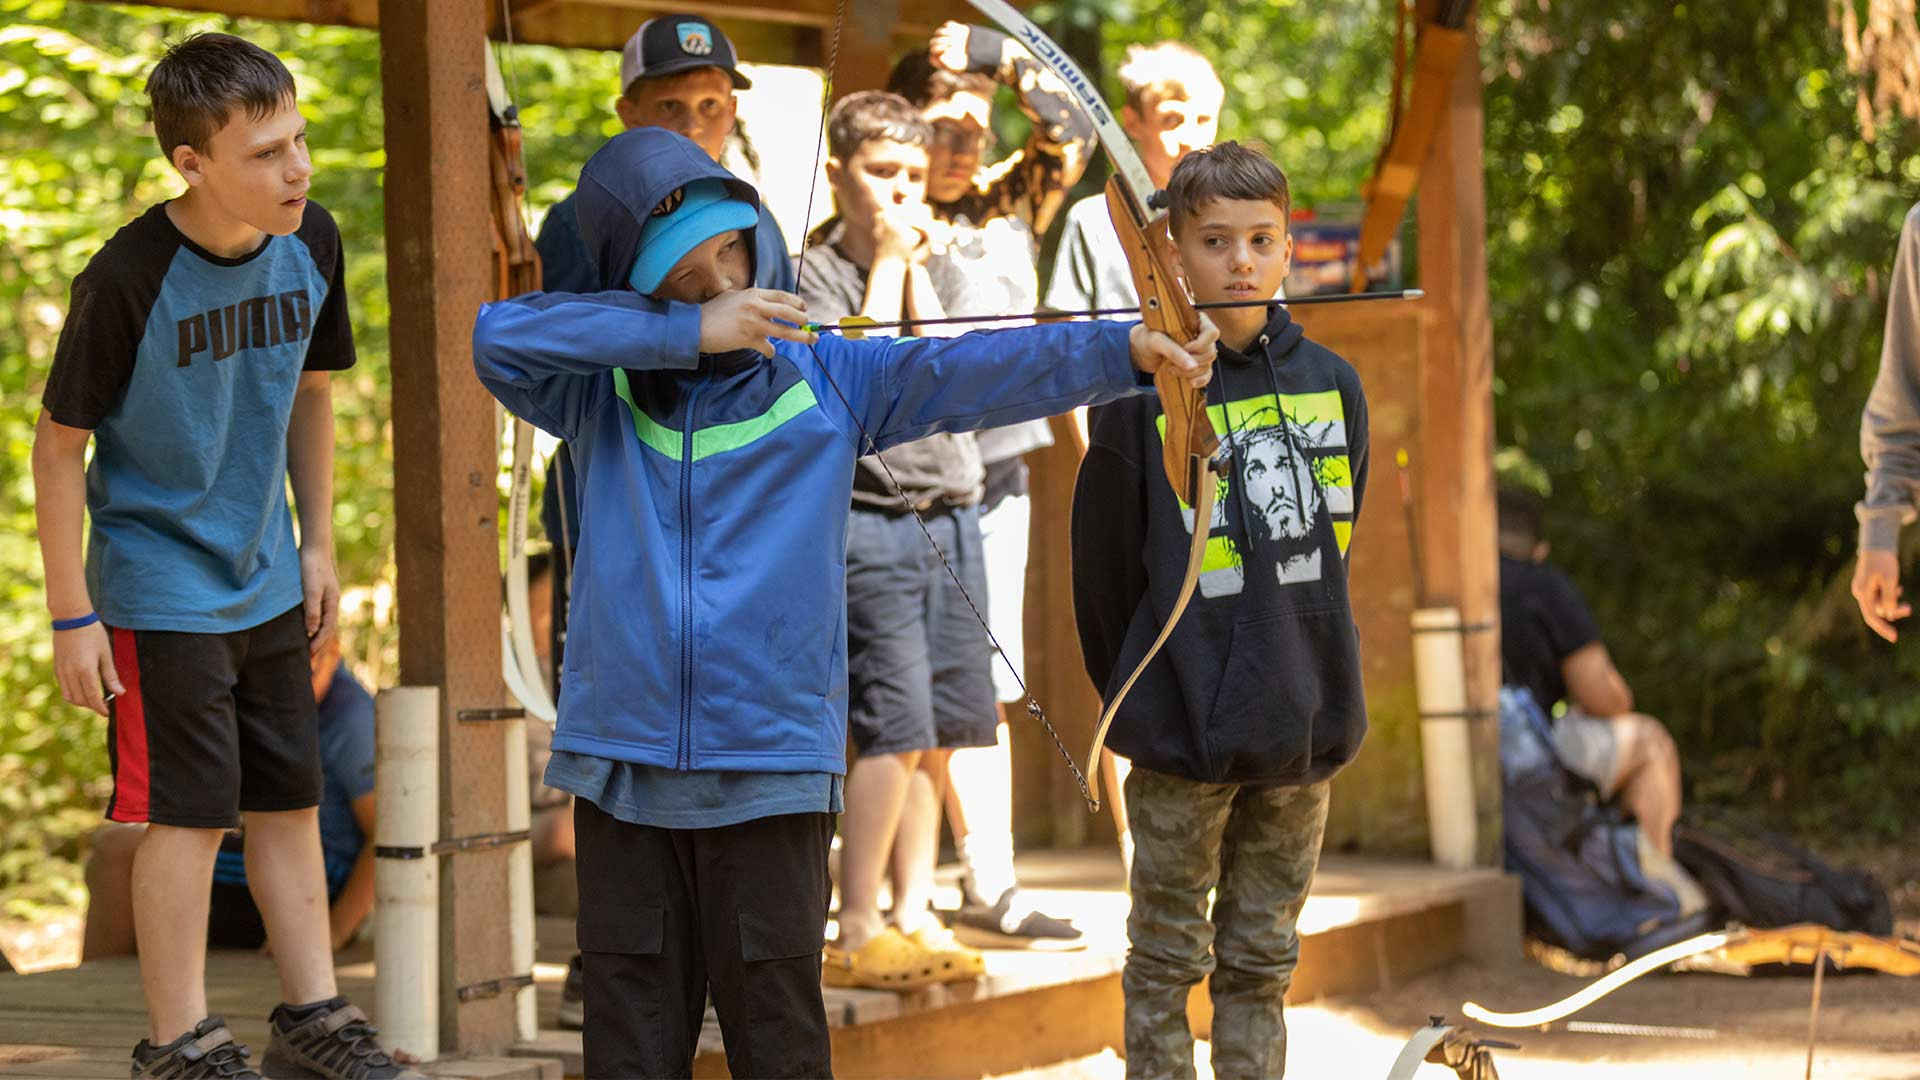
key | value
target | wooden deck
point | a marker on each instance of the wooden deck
(1368, 924)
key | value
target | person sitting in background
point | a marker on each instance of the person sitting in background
(346, 824)
(1550, 646)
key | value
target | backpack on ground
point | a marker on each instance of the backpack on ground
(1578, 861)
(1761, 879)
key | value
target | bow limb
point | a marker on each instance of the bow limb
(1196, 555)
(1189, 443)
(1738, 948)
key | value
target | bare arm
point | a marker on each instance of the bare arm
(310, 463)
(1594, 685)
(350, 908)
(82, 658)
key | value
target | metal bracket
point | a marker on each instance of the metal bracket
(1482, 627)
(1460, 714)
(482, 716)
(456, 846)
(493, 987)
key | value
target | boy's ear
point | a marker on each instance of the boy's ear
(627, 111)
(187, 161)
(834, 170)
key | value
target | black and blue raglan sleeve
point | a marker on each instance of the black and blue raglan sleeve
(106, 318)
(331, 347)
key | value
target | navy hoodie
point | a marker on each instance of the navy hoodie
(708, 628)
(1260, 681)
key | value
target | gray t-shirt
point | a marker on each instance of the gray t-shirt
(1090, 269)
(939, 470)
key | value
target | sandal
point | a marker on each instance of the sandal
(957, 962)
(890, 961)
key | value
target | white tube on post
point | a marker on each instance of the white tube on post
(406, 946)
(1446, 747)
(520, 879)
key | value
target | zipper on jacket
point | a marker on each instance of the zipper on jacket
(685, 756)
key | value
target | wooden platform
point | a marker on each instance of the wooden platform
(1370, 924)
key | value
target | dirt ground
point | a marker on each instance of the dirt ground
(1869, 1025)
(1869, 1029)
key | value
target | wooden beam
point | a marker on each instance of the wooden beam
(446, 458)
(763, 32)
(1458, 530)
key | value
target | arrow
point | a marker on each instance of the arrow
(856, 326)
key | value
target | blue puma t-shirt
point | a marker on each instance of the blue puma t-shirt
(184, 365)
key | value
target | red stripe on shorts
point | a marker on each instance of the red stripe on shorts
(133, 770)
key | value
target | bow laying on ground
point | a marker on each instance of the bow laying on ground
(1738, 949)
(1189, 446)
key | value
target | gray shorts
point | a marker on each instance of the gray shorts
(1588, 747)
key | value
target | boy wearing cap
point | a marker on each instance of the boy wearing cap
(702, 719)
(677, 72)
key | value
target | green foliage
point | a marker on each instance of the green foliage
(1307, 79)
(1688, 247)
(81, 162)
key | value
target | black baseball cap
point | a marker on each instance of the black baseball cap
(668, 44)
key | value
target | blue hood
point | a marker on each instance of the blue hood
(626, 179)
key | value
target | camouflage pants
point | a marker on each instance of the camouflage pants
(1256, 850)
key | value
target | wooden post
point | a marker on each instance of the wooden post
(445, 460)
(1455, 470)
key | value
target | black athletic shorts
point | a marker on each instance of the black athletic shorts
(213, 724)
(918, 674)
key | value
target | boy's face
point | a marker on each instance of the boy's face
(254, 170)
(1172, 122)
(698, 104)
(719, 265)
(1234, 249)
(881, 176)
(960, 128)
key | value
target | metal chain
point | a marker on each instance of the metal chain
(1033, 707)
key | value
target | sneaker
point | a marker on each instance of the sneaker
(208, 1052)
(335, 1043)
(573, 999)
(1013, 923)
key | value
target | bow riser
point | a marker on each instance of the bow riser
(1164, 306)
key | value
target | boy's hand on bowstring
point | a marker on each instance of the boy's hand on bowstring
(1193, 362)
(747, 318)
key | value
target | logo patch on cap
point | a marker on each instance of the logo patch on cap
(696, 39)
(671, 203)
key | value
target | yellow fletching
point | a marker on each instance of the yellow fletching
(854, 327)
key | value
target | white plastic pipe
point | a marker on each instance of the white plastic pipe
(1446, 747)
(406, 946)
(520, 879)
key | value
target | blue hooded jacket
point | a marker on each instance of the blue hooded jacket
(709, 606)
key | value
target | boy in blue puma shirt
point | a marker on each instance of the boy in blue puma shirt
(703, 709)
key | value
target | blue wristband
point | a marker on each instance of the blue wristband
(76, 623)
